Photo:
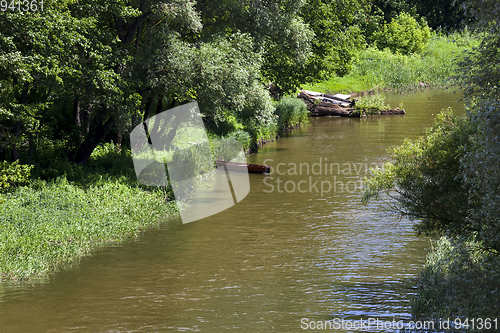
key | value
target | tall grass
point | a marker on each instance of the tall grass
(382, 69)
(291, 112)
(48, 225)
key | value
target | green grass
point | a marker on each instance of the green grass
(47, 225)
(376, 69)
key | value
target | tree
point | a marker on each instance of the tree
(450, 178)
(443, 14)
(114, 82)
(481, 82)
(278, 31)
(337, 37)
(426, 181)
(403, 35)
(36, 55)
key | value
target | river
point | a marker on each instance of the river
(290, 254)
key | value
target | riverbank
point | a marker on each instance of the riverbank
(47, 226)
(67, 211)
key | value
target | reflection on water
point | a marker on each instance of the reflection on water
(263, 264)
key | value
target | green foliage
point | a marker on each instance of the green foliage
(458, 281)
(258, 116)
(291, 112)
(242, 137)
(12, 174)
(482, 174)
(224, 91)
(426, 181)
(443, 14)
(371, 104)
(404, 35)
(480, 79)
(346, 84)
(336, 39)
(48, 226)
(277, 29)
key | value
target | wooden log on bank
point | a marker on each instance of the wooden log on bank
(320, 108)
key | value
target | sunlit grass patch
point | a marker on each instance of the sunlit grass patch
(381, 69)
(47, 226)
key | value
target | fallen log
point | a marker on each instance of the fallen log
(320, 108)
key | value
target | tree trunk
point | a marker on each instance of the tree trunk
(156, 128)
(78, 119)
(149, 105)
(119, 136)
(18, 125)
(17, 133)
(99, 131)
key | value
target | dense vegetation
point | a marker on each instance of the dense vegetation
(76, 78)
(448, 181)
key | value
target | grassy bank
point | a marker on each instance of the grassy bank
(376, 69)
(48, 225)
(66, 210)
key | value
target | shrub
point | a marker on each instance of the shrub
(458, 280)
(403, 35)
(257, 116)
(13, 174)
(242, 137)
(291, 112)
(426, 181)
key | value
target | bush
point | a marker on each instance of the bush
(458, 280)
(12, 174)
(403, 35)
(291, 112)
(242, 137)
(258, 115)
(426, 180)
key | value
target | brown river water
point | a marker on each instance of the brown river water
(299, 249)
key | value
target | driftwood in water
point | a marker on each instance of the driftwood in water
(319, 108)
